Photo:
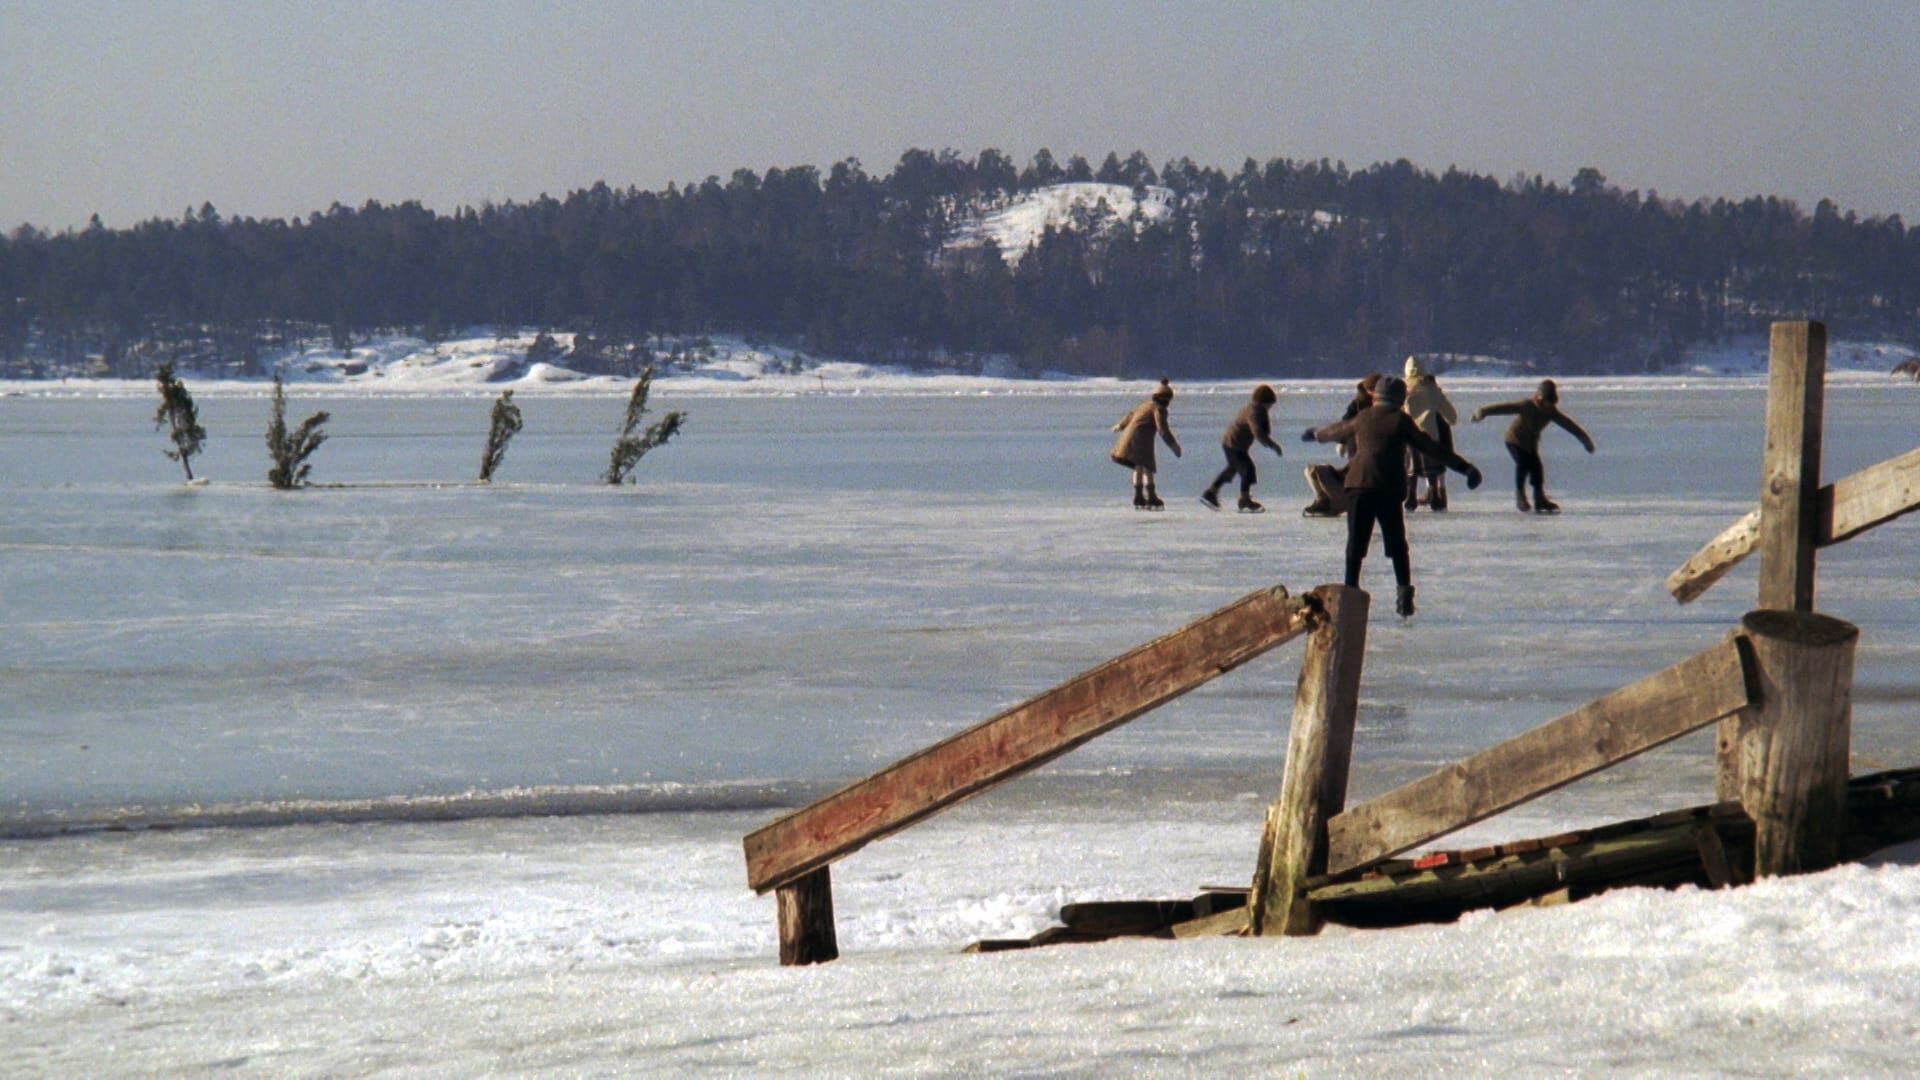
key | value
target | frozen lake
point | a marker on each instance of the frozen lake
(801, 590)
(804, 588)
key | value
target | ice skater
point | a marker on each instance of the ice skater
(1250, 425)
(1134, 448)
(1434, 415)
(1328, 482)
(1376, 481)
(1530, 417)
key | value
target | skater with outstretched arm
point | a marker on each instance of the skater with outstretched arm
(1435, 415)
(1250, 425)
(1376, 481)
(1531, 417)
(1134, 448)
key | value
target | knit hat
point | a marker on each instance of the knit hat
(1264, 395)
(1414, 370)
(1164, 392)
(1390, 392)
(1548, 392)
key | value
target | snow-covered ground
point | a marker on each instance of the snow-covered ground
(803, 587)
(617, 945)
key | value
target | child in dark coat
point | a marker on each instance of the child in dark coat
(1531, 417)
(1250, 425)
(1377, 478)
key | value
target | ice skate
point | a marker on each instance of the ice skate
(1139, 499)
(1210, 498)
(1319, 508)
(1413, 496)
(1403, 602)
(1154, 502)
(1248, 506)
(1520, 501)
(1544, 505)
(1437, 498)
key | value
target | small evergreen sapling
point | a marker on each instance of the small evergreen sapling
(628, 451)
(290, 452)
(506, 424)
(181, 418)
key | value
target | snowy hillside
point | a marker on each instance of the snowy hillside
(1019, 225)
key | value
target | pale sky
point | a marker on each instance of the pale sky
(278, 108)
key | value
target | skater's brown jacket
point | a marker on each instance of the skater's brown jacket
(1531, 417)
(1134, 448)
(1381, 435)
(1250, 425)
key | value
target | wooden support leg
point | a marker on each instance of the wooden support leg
(806, 920)
(1792, 748)
(1789, 532)
(1319, 752)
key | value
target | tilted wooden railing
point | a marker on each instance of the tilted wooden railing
(791, 855)
(1845, 509)
(1624, 724)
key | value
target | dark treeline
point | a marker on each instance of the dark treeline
(1285, 267)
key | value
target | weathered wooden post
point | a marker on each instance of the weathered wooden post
(1789, 499)
(805, 914)
(1313, 787)
(1791, 752)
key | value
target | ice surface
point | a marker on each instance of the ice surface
(798, 590)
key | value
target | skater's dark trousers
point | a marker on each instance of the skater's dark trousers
(1238, 462)
(1381, 506)
(1528, 468)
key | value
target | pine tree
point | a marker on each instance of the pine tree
(290, 452)
(628, 450)
(506, 424)
(180, 416)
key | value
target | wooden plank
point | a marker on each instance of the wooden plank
(1714, 561)
(1657, 709)
(1319, 753)
(1556, 898)
(1022, 738)
(1790, 473)
(1844, 509)
(1873, 496)
(993, 945)
(1713, 856)
(1114, 918)
(1219, 924)
(1590, 861)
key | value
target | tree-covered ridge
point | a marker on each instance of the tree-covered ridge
(1285, 267)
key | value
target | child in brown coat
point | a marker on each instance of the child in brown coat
(1250, 425)
(1530, 417)
(1134, 448)
(1328, 482)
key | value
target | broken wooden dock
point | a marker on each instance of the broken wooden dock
(1708, 847)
